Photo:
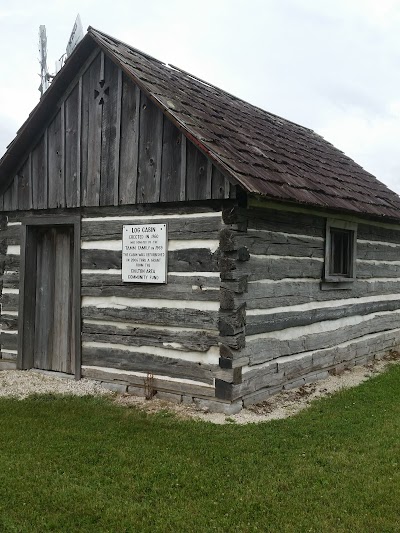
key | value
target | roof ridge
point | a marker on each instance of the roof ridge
(92, 30)
(208, 84)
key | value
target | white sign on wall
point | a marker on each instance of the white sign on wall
(144, 253)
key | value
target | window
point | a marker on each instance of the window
(340, 251)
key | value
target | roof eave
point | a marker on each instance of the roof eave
(22, 143)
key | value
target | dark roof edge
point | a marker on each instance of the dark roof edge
(293, 205)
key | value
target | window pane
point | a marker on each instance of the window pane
(341, 252)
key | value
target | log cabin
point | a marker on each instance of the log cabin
(170, 240)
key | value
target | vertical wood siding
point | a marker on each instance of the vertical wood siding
(108, 144)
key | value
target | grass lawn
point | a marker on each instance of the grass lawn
(85, 464)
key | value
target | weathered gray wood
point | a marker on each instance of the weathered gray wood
(191, 318)
(218, 184)
(369, 232)
(282, 320)
(8, 198)
(24, 188)
(8, 322)
(11, 262)
(232, 322)
(109, 148)
(12, 234)
(297, 223)
(150, 151)
(8, 340)
(378, 252)
(274, 243)
(189, 260)
(62, 304)
(9, 302)
(136, 361)
(91, 134)
(382, 270)
(209, 179)
(176, 284)
(171, 163)
(178, 228)
(263, 350)
(95, 286)
(196, 174)
(14, 196)
(158, 383)
(44, 315)
(61, 185)
(266, 377)
(136, 336)
(72, 148)
(79, 145)
(117, 137)
(11, 280)
(264, 267)
(54, 148)
(129, 142)
(269, 295)
(39, 175)
(183, 168)
(45, 324)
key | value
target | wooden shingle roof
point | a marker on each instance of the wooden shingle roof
(263, 153)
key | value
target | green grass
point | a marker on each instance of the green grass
(73, 464)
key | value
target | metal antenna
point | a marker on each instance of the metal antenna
(44, 75)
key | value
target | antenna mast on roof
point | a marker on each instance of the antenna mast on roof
(44, 74)
(75, 37)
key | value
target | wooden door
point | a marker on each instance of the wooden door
(53, 310)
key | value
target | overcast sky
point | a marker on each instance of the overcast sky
(330, 65)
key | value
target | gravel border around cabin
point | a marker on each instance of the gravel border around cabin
(20, 384)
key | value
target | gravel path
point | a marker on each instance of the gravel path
(20, 384)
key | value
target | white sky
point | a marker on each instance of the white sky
(330, 65)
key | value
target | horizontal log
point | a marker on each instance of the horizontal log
(8, 340)
(276, 243)
(378, 252)
(266, 377)
(129, 335)
(270, 348)
(158, 383)
(11, 262)
(380, 270)
(139, 362)
(178, 229)
(263, 323)
(11, 280)
(191, 318)
(12, 234)
(177, 287)
(9, 302)
(273, 268)
(269, 295)
(368, 232)
(285, 221)
(188, 260)
(8, 322)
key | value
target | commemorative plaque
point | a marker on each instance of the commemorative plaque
(144, 253)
